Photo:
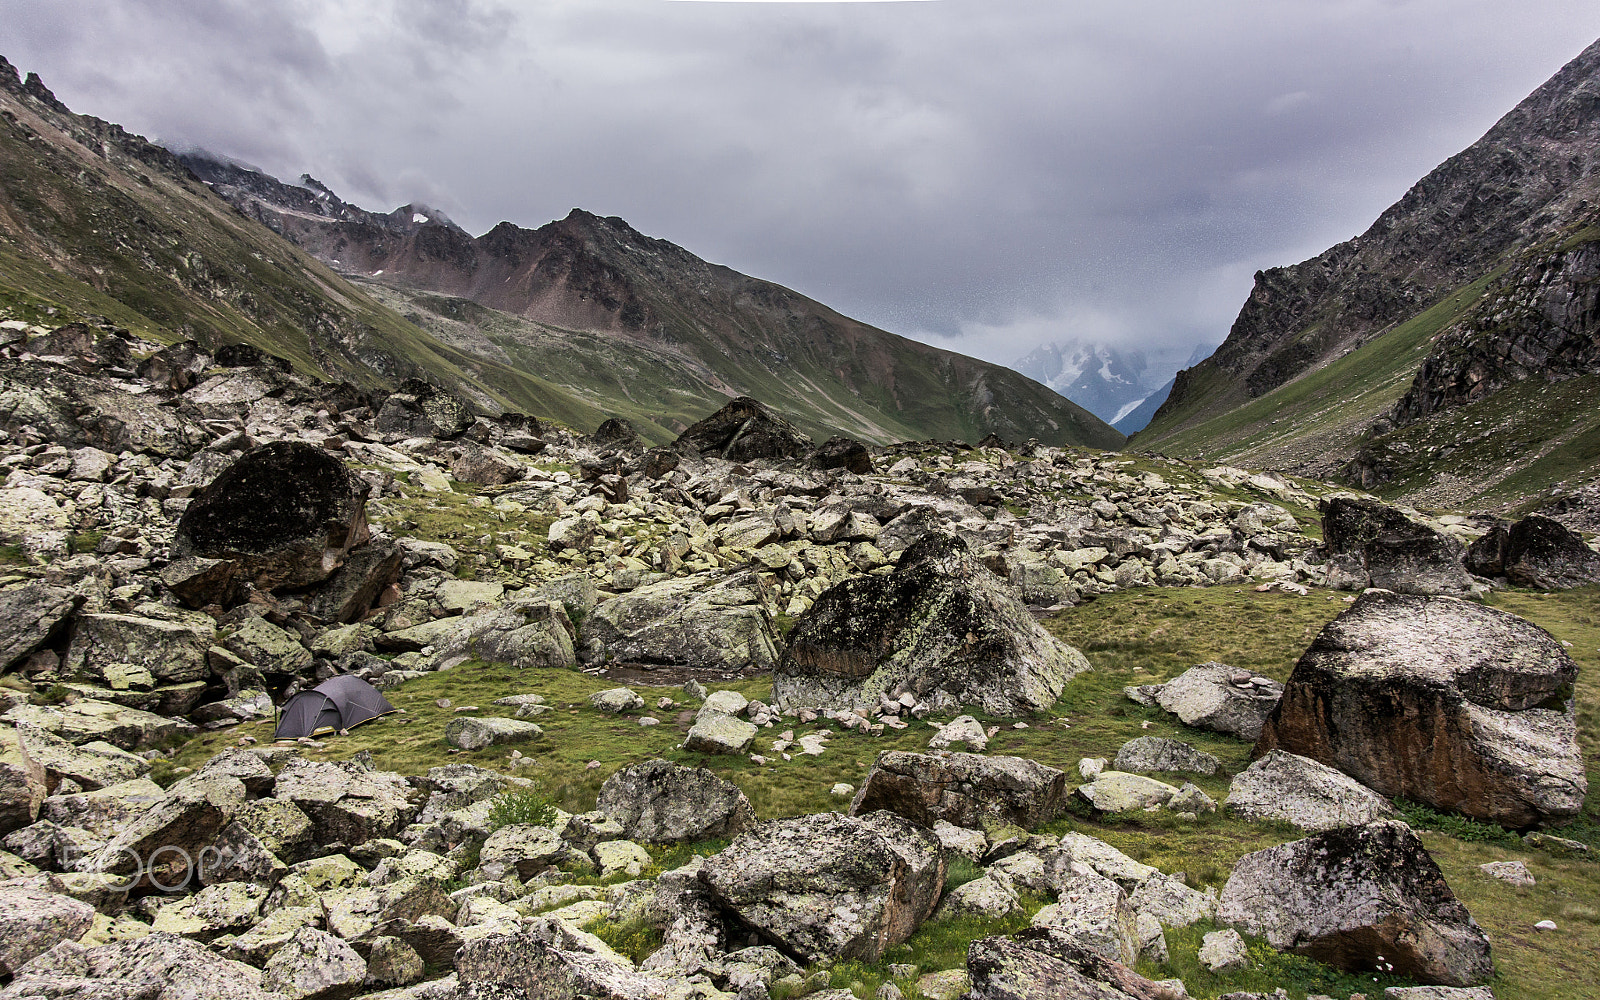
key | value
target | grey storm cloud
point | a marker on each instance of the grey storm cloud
(987, 175)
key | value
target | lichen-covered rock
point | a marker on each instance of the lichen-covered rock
(262, 644)
(315, 965)
(1537, 552)
(988, 896)
(941, 625)
(347, 803)
(32, 921)
(1157, 753)
(1094, 911)
(1371, 544)
(421, 409)
(287, 514)
(223, 908)
(157, 966)
(744, 430)
(88, 720)
(1223, 950)
(1171, 903)
(830, 886)
(31, 617)
(392, 962)
(616, 700)
(22, 782)
(520, 848)
(475, 734)
(1117, 791)
(127, 651)
(1350, 895)
(1077, 848)
(544, 961)
(710, 621)
(352, 590)
(715, 733)
(659, 802)
(525, 634)
(1446, 702)
(1220, 698)
(1045, 962)
(189, 817)
(1309, 794)
(964, 789)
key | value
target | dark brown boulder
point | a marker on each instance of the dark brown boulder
(251, 356)
(1536, 552)
(1446, 702)
(1370, 544)
(352, 591)
(843, 453)
(964, 789)
(745, 430)
(286, 514)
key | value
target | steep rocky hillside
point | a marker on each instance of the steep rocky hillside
(675, 322)
(1324, 350)
(98, 223)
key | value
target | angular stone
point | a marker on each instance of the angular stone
(1535, 552)
(1373, 545)
(392, 962)
(726, 702)
(1223, 950)
(104, 812)
(169, 836)
(1459, 706)
(1044, 962)
(1094, 911)
(262, 644)
(92, 766)
(1205, 697)
(1115, 791)
(616, 700)
(659, 802)
(744, 430)
(223, 908)
(709, 621)
(545, 961)
(1309, 794)
(125, 650)
(198, 581)
(475, 734)
(964, 789)
(830, 886)
(87, 720)
(352, 590)
(1173, 904)
(715, 733)
(22, 782)
(160, 966)
(1156, 753)
(1347, 896)
(32, 617)
(525, 634)
(963, 729)
(521, 848)
(32, 921)
(941, 625)
(315, 965)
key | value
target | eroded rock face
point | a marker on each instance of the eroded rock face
(843, 453)
(660, 802)
(286, 513)
(744, 430)
(1347, 896)
(1535, 552)
(941, 626)
(1370, 544)
(963, 789)
(1459, 706)
(830, 886)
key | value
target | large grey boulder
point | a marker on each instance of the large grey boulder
(31, 617)
(347, 802)
(1157, 753)
(659, 802)
(1219, 698)
(127, 651)
(420, 409)
(1118, 791)
(830, 886)
(32, 921)
(1446, 702)
(158, 966)
(521, 633)
(87, 720)
(22, 782)
(1370, 544)
(743, 430)
(315, 965)
(544, 961)
(941, 626)
(1537, 552)
(1094, 911)
(715, 733)
(710, 621)
(1355, 897)
(963, 789)
(286, 514)
(92, 766)
(105, 811)
(1046, 962)
(520, 848)
(1309, 794)
(475, 734)
(189, 818)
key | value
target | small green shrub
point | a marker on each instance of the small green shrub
(521, 806)
(1472, 831)
(633, 939)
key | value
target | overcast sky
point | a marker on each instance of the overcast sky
(986, 175)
